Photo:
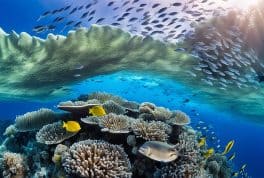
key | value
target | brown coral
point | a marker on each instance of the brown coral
(114, 123)
(179, 118)
(53, 134)
(95, 158)
(14, 165)
(154, 130)
(35, 120)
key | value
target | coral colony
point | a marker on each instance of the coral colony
(102, 135)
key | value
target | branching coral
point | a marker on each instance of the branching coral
(14, 165)
(35, 120)
(154, 130)
(95, 158)
(103, 97)
(91, 120)
(112, 107)
(179, 118)
(53, 134)
(114, 123)
(149, 111)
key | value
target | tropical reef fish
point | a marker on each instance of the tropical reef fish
(228, 147)
(97, 111)
(159, 151)
(71, 126)
(232, 157)
(209, 153)
(202, 142)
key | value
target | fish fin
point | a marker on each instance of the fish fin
(64, 125)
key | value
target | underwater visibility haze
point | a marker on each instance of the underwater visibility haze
(132, 88)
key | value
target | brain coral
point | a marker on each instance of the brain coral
(96, 158)
(114, 123)
(154, 130)
(53, 134)
(35, 120)
(14, 165)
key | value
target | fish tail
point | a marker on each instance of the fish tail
(64, 125)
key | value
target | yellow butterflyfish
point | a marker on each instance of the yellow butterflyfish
(228, 147)
(97, 111)
(202, 142)
(232, 157)
(209, 153)
(71, 126)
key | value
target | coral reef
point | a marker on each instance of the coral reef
(95, 158)
(35, 120)
(154, 130)
(116, 123)
(14, 165)
(131, 140)
(53, 134)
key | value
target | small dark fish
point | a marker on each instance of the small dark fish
(61, 9)
(90, 19)
(45, 14)
(133, 19)
(92, 12)
(162, 15)
(155, 5)
(115, 8)
(54, 11)
(69, 23)
(110, 3)
(51, 27)
(115, 24)
(159, 26)
(129, 9)
(73, 10)
(100, 20)
(78, 24)
(204, 1)
(58, 19)
(173, 13)
(39, 28)
(148, 28)
(81, 7)
(84, 15)
(120, 19)
(67, 7)
(176, 4)
(162, 10)
(140, 9)
(125, 3)
(145, 22)
(125, 14)
(155, 21)
(88, 6)
(165, 19)
(135, 1)
(178, 26)
(142, 5)
(156, 32)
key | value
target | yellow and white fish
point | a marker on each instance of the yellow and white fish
(209, 153)
(228, 147)
(202, 142)
(71, 126)
(232, 157)
(97, 111)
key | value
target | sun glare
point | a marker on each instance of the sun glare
(243, 4)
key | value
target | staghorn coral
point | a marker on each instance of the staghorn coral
(151, 131)
(112, 107)
(14, 165)
(96, 158)
(114, 123)
(179, 118)
(35, 120)
(53, 134)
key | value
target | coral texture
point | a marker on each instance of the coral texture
(95, 158)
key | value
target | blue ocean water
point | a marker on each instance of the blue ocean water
(249, 143)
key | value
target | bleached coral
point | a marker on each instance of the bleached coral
(35, 120)
(14, 165)
(95, 158)
(53, 134)
(150, 111)
(154, 130)
(10, 131)
(114, 123)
